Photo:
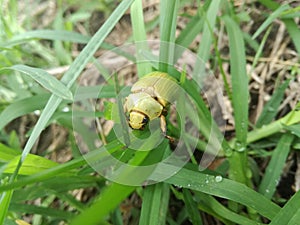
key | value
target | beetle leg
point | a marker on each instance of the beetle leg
(163, 124)
(163, 127)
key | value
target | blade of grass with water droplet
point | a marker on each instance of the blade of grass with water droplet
(225, 188)
(275, 168)
(239, 79)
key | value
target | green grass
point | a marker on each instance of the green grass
(243, 189)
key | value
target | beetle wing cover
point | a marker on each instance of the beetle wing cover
(158, 84)
(143, 102)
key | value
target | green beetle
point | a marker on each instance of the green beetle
(150, 98)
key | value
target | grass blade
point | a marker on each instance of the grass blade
(5, 199)
(273, 171)
(33, 164)
(206, 40)
(270, 109)
(74, 71)
(167, 27)
(70, 77)
(44, 175)
(188, 34)
(290, 24)
(45, 79)
(210, 205)
(61, 35)
(270, 19)
(155, 204)
(239, 79)
(22, 107)
(291, 118)
(108, 200)
(139, 35)
(192, 208)
(223, 188)
(290, 213)
(46, 211)
(295, 129)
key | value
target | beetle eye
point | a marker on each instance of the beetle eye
(145, 120)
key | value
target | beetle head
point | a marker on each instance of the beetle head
(137, 120)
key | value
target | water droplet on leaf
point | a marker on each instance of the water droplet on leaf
(218, 179)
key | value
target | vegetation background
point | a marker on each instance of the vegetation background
(252, 48)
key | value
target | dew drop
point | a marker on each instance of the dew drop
(240, 147)
(37, 112)
(66, 109)
(178, 186)
(218, 179)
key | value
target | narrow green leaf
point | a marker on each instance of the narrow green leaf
(290, 24)
(44, 175)
(290, 213)
(270, 19)
(191, 207)
(46, 211)
(7, 154)
(220, 187)
(56, 185)
(291, 118)
(204, 50)
(209, 204)
(207, 36)
(239, 79)
(291, 13)
(61, 35)
(294, 32)
(109, 199)
(22, 107)
(72, 74)
(62, 54)
(45, 79)
(155, 204)
(259, 49)
(191, 30)
(167, 29)
(5, 199)
(32, 164)
(140, 37)
(274, 170)
(295, 129)
(270, 110)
